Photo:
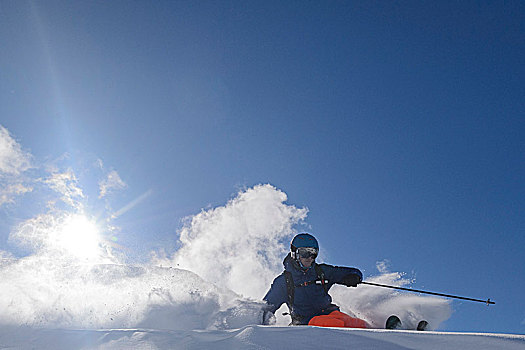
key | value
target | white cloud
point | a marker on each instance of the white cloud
(99, 164)
(13, 160)
(13, 163)
(66, 184)
(10, 191)
(110, 183)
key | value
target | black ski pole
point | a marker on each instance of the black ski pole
(488, 301)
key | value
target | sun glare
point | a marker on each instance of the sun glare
(80, 237)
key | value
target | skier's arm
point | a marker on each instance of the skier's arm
(348, 276)
(276, 296)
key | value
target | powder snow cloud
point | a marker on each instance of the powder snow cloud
(241, 245)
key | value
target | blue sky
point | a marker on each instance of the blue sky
(400, 126)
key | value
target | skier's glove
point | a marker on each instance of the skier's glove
(351, 280)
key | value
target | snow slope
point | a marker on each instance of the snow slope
(253, 337)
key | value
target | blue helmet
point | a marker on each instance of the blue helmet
(303, 240)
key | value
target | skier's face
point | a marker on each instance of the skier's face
(307, 262)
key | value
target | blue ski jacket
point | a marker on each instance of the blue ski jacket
(310, 298)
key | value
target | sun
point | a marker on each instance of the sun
(80, 237)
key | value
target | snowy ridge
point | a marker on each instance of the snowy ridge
(254, 337)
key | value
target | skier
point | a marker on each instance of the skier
(304, 286)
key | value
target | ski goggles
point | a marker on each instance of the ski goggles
(307, 252)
